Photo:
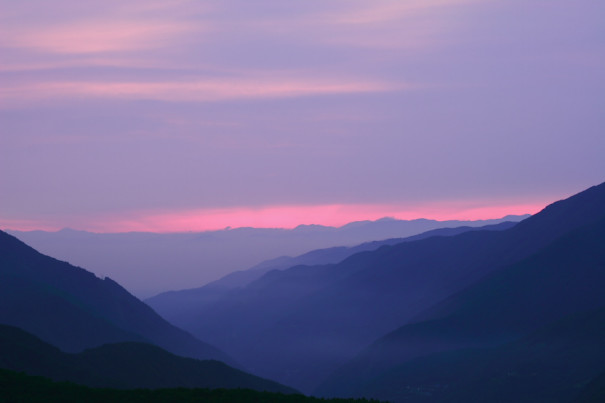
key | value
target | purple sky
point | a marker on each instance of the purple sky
(138, 115)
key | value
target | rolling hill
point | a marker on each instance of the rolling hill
(128, 365)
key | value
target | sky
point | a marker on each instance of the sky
(193, 115)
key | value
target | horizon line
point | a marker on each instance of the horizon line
(230, 228)
(285, 217)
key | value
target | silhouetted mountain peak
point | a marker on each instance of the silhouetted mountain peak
(573, 212)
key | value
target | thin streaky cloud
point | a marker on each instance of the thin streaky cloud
(393, 25)
(196, 91)
(98, 36)
(393, 10)
(84, 61)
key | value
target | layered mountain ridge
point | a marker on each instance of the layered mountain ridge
(511, 313)
(138, 260)
(300, 324)
(185, 303)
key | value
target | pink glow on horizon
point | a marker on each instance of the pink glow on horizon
(334, 215)
(28, 225)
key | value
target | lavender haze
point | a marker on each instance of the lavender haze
(115, 111)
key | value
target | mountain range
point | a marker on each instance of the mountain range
(303, 325)
(508, 313)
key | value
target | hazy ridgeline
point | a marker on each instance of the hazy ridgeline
(149, 263)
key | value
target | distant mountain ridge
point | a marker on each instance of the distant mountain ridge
(72, 309)
(185, 303)
(338, 253)
(138, 260)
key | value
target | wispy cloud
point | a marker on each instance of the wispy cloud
(203, 90)
(389, 98)
(92, 37)
(393, 24)
(380, 12)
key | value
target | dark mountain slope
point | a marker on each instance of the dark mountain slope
(123, 365)
(181, 306)
(555, 363)
(72, 309)
(594, 392)
(300, 324)
(562, 279)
